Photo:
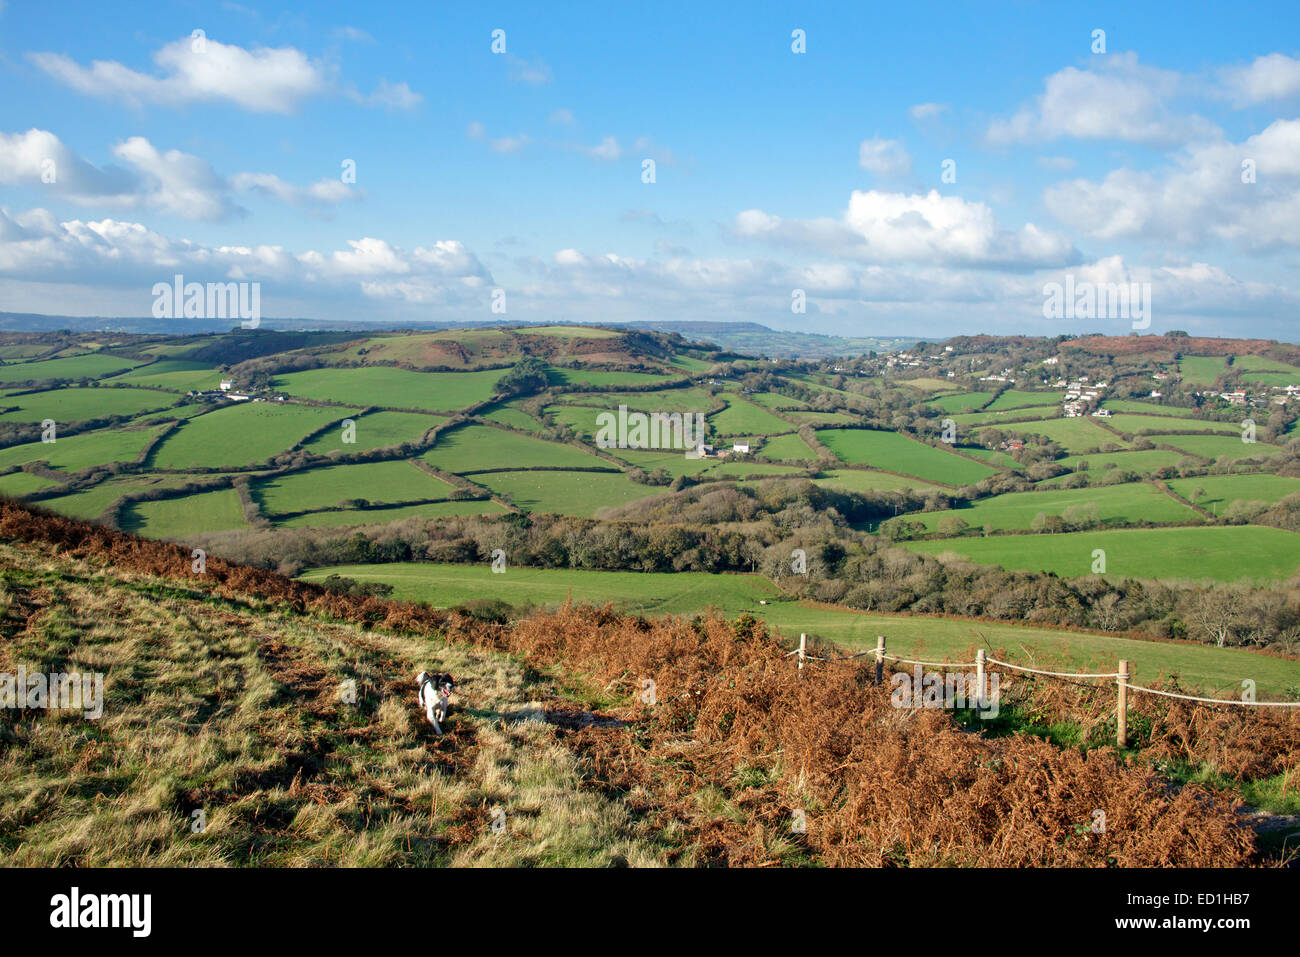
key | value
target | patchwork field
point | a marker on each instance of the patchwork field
(242, 434)
(1202, 370)
(91, 366)
(393, 388)
(1126, 422)
(1231, 553)
(334, 518)
(375, 482)
(176, 518)
(745, 418)
(1143, 460)
(1225, 447)
(867, 480)
(1133, 502)
(179, 375)
(788, 447)
(962, 401)
(889, 450)
(77, 452)
(473, 448)
(1016, 399)
(78, 405)
(376, 430)
(1074, 435)
(566, 493)
(1219, 491)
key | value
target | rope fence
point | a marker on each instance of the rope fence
(982, 661)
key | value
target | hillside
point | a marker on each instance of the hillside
(222, 695)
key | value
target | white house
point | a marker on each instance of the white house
(741, 447)
(227, 385)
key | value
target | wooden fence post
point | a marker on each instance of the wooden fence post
(1121, 713)
(803, 648)
(880, 658)
(979, 678)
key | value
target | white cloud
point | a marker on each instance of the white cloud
(925, 111)
(203, 70)
(1119, 99)
(170, 181)
(884, 157)
(35, 246)
(534, 72)
(1272, 77)
(563, 117)
(896, 227)
(1202, 197)
(606, 149)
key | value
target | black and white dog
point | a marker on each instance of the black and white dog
(435, 695)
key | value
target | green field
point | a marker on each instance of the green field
(1221, 446)
(179, 375)
(90, 502)
(20, 484)
(1272, 378)
(378, 516)
(91, 366)
(1016, 510)
(376, 431)
(393, 388)
(774, 400)
(745, 418)
(475, 447)
(806, 417)
(728, 469)
(1074, 435)
(567, 493)
(1221, 490)
(1127, 422)
(508, 414)
(177, 518)
(866, 480)
(1202, 668)
(961, 401)
(675, 463)
(1231, 553)
(376, 482)
(242, 434)
(788, 448)
(1202, 370)
(562, 377)
(1017, 399)
(661, 400)
(1134, 405)
(889, 450)
(78, 405)
(1145, 460)
(77, 452)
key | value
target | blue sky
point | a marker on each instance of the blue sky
(774, 170)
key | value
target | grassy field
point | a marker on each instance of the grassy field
(1145, 460)
(1016, 510)
(1127, 422)
(393, 388)
(614, 380)
(774, 400)
(1233, 553)
(788, 447)
(961, 401)
(77, 452)
(378, 516)
(661, 400)
(889, 450)
(375, 482)
(727, 469)
(1222, 446)
(745, 418)
(1202, 370)
(176, 518)
(241, 434)
(510, 415)
(179, 375)
(1139, 407)
(567, 493)
(1018, 399)
(19, 484)
(90, 502)
(376, 431)
(676, 463)
(91, 366)
(645, 593)
(1074, 435)
(1221, 490)
(1201, 667)
(867, 480)
(78, 405)
(475, 447)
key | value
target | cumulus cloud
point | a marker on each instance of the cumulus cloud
(925, 111)
(930, 228)
(166, 181)
(1201, 197)
(34, 245)
(203, 70)
(1272, 77)
(887, 158)
(1117, 99)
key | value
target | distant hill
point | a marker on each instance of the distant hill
(752, 338)
(744, 337)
